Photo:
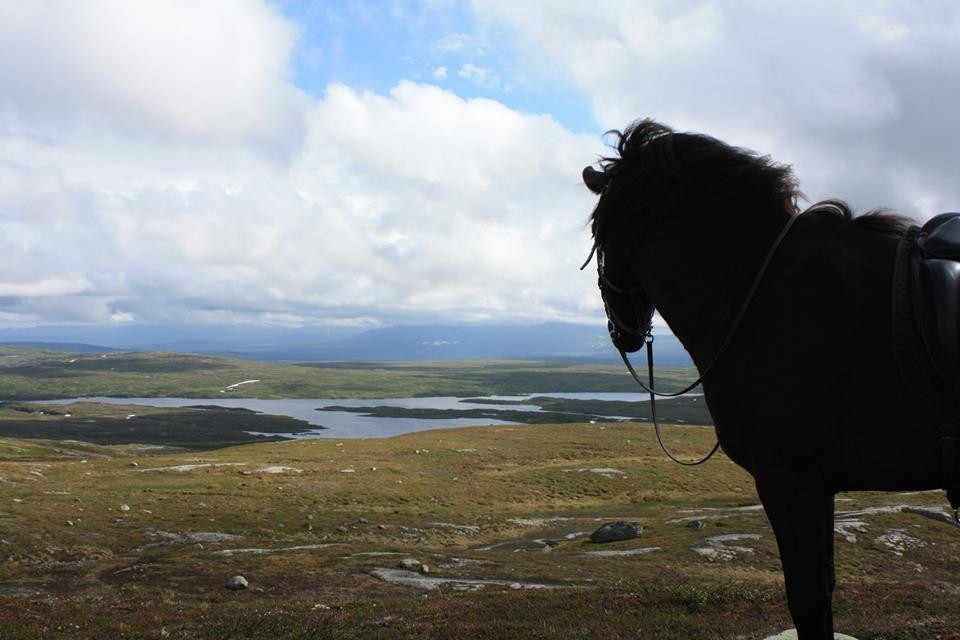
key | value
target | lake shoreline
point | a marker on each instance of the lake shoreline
(385, 417)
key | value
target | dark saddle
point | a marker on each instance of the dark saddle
(926, 327)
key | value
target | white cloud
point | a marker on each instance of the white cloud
(59, 286)
(412, 206)
(460, 42)
(440, 73)
(860, 98)
(210, 72)
(481, 76)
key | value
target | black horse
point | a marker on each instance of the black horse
(808, 398)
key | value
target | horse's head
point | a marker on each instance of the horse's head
(661, 194)
(629, 310)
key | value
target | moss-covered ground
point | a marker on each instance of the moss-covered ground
(109, 542)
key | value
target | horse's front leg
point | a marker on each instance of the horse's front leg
(802, 519)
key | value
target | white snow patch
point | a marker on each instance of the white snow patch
(175, 538)
(411, 579)
(605, 472)
(791, 634)
(899, 541)
(718, 548)
(702, 513)
(233, 386)
(279, 470)
(304, 547)
(847, 529)
(934, 513)
(459, 528)
(614, 553)
(183, 468)
(537, 522)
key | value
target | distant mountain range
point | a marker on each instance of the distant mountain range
(553, 341)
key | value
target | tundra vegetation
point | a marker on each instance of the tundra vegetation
(140, 540)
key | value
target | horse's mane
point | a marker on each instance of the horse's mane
(881, 219)
(657, 169)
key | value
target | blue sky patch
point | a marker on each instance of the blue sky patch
(373, 46)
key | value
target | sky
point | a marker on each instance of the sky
(377, 163)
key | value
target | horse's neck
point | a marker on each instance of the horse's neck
(707, 279)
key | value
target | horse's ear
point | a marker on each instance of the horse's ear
(595, 180)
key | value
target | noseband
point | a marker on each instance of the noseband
(618, 329)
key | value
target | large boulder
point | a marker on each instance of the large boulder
(614, 531)
(237, 583)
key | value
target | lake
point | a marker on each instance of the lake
(348, 424)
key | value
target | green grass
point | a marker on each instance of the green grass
(99, 578)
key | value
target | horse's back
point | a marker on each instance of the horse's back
(819, 347)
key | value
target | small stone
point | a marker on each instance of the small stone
(381, 526)
(410, 564)
(364, 521)
(615, 531)
(69, 523)
(696, 524)
(17, 500)
(424, 569)
(237, 583)
(124, 507)
(341, 529)
(309, 526)
(133, 464)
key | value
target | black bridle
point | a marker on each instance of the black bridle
(619, 330)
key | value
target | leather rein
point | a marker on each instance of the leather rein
(618, 325)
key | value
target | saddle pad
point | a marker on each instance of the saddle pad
(935, 281)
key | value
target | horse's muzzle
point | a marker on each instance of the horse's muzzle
(629, 319)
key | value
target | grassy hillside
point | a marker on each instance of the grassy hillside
(104, 542)
(32, 374)
(200, 427)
